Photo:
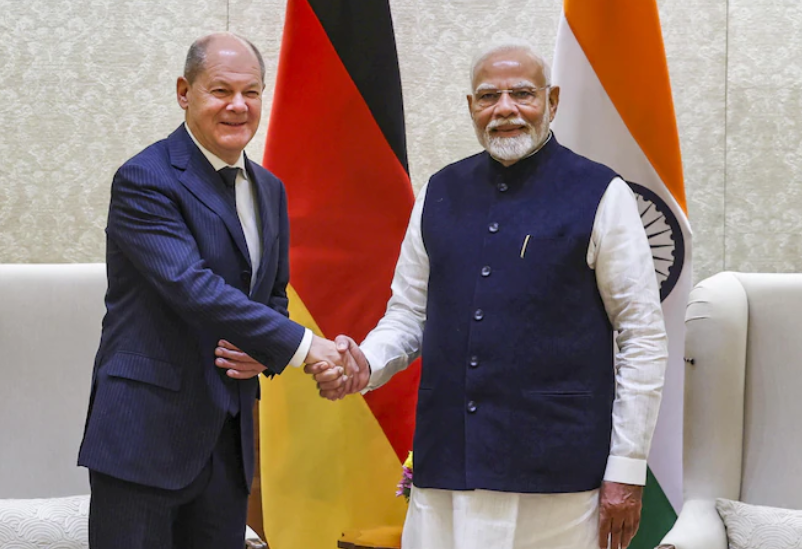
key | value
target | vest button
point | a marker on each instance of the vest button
(493, 227)
(474, 362)
(471, 406)
(486, 270)
(479, 314)
(502, 187)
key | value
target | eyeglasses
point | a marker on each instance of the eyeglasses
(520, 96)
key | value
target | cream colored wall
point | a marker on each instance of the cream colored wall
(87, 84)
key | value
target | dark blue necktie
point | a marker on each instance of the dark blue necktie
(229, 175)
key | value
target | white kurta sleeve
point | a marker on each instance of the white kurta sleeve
(620, 254)
(396, 340)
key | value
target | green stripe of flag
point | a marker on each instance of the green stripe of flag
(657, 518)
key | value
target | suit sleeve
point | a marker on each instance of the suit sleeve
(278, 300)
(148, 227)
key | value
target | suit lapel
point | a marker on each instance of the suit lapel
(267, 233)
(198, 176)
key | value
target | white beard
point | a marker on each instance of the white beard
(512, 149)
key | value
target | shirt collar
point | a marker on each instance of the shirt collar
(216, 162)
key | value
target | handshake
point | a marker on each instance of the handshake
(338, 366)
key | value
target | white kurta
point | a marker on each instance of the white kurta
(480, 519)
(621, 257)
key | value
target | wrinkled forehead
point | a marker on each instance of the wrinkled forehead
(508, 69)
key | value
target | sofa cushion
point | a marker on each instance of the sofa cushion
(759, 527)
(60, 523)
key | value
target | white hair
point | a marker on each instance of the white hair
(509, 45)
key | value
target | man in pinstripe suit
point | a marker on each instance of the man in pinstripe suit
(197, 256)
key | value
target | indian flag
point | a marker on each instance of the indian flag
(616, 108)
(336, 139)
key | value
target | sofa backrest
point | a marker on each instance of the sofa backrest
(743, 389)
(50, 321)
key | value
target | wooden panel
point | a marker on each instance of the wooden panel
(384, 537)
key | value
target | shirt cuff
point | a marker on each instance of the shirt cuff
(625, 470)
(297, 359)
(375, 371)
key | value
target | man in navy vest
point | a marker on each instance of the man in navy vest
(518, 267)
(197, 256)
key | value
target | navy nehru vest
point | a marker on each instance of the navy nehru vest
(517, 384)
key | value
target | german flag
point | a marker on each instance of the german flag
(336, 139)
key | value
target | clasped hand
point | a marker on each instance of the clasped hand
(338, 366)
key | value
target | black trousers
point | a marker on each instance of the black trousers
(209, 513)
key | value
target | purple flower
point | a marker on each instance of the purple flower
(405, 484)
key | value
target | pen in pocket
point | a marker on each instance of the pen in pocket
(523, 248)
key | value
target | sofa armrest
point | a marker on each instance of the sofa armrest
(698, 527)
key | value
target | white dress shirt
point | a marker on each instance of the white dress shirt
(248, 213)
(619, 252)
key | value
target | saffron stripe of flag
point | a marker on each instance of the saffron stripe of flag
(616, 108)
(336, 140)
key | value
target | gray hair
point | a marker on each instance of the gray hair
(196, 56)
(510, 45)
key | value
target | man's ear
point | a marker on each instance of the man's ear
(181, 92)
(554, 101)
(470, 105)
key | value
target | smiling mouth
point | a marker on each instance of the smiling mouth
(233, 124)
(507, 129)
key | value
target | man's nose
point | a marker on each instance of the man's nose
(238, 103)
(506, 105)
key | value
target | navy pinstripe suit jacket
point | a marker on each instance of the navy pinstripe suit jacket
(178, 281)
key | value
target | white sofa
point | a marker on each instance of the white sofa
(743, 401)
(50, 318)
(50, 322)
